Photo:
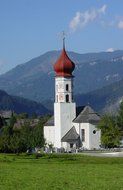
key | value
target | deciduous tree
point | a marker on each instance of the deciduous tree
(110, 133)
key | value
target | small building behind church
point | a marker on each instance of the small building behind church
(69, 129)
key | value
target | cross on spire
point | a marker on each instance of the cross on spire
(63, 36)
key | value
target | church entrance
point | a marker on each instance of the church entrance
(71, 145)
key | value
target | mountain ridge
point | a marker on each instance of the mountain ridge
(35, 79)
(105, 99)
(21, 105)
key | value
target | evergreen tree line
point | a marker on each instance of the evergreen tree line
(16, 140)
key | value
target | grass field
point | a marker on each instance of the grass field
(61, 172)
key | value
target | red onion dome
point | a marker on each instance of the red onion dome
(64, 66)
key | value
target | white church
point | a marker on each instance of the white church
(68, 128)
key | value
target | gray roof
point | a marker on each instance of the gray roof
(70, 136)
(50, 122)
(87, 115)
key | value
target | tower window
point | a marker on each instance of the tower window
(83, 134)
(67, 87)
(67, 98)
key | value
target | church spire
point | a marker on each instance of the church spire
(63, 34)
(64, 66)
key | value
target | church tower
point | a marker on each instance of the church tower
(64, 106)
(66, 129)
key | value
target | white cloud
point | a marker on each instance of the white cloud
(110, 50)
(106, 24)
(75, 21)
(102, 9)
(81, 19)
(120, 24)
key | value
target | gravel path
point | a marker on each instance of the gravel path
(107, 154)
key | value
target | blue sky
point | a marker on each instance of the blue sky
(29, 28)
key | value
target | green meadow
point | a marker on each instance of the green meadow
(60, 172)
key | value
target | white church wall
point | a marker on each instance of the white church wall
(67, 147)
(64, 114)
(49, 134)
(79, 127)
(85, 142)
(92, 141)
(64, 145)
(60, 89)
(57, 120)
(94, 137)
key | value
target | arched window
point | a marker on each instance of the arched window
(67, 87)
(83, 134)
(67, 98)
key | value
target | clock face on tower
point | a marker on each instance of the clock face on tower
(61, 97)
(60, 86)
